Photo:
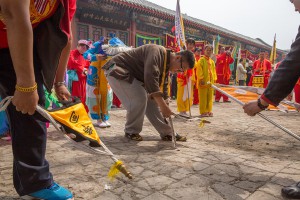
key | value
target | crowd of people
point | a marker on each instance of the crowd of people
(139, 79)
(87, 80)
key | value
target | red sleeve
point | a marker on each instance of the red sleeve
(267, 100)
(230, 60)
(269, 66)
(277, 65)
(74, 64)
(254, 67)
(87, 64)
(70, 8)
(3, 37)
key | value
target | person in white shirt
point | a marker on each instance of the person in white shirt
(241, 73)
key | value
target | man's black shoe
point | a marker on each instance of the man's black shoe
(178, 138)
(292, 191)
(133, 136)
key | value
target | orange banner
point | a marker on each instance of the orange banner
(246, 96)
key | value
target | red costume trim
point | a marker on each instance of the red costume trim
(267, 100)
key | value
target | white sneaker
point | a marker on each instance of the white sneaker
(107, 124)
(101, 124)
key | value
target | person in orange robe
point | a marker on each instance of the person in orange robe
(262, 66)
(224, 59)
(79, 65)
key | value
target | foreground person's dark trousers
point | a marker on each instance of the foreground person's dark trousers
(30, 168)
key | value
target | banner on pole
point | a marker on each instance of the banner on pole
(171, 42)
(142, 40)
(179, 28)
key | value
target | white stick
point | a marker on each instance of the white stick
(173, 132)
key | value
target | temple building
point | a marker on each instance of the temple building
(138, 22)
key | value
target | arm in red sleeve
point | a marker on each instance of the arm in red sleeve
(255, 67)
(87, 64)
(72, 8)
(75, 64)
(269, 67)
(230, 60)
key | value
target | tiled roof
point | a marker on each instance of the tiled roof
(152, 6)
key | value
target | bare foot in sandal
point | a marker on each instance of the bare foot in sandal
(204, 115)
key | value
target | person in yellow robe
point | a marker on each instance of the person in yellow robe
(206, 73)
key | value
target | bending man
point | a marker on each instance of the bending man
(139, 79)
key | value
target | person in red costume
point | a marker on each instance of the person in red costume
(262, 66)
(297, 91)
(224, 59)
(296, 88)
(79, 65)
(196, 95)
(116, 101)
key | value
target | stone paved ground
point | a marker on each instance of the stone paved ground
(235, 157)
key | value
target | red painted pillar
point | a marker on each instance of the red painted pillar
(133, 28)
(132, 32)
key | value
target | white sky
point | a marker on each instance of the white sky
(253, 18)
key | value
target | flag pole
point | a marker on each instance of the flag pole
(173, 132)
(180, 38)
(273, 51)
(188, 90)
(259, 114)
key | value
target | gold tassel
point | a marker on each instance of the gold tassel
(201, 124)
(116, 169)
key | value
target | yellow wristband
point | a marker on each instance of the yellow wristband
(27, 89)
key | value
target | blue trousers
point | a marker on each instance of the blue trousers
(29, 136)
(3, 123)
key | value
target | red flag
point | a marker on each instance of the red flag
(173, 29)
